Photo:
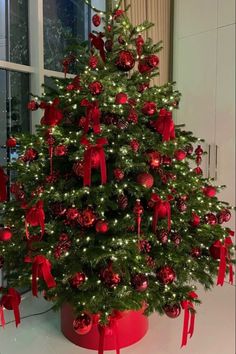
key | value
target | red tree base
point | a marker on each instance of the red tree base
(130, 328)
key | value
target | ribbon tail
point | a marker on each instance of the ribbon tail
(87, 167)
(16, 311)
(2, 318)
(185, 328)
(103, 166)
(101, 340)
(48, 278)
(222, 267)
(231, 274)
(192, 323)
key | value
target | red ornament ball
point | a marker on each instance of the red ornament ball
(110, 278)
(133, 116)
(87, 218)
(72, 213)
(210, 219)
(134, 144)
(162, 236)
(209, 191)
(102, 226)
(149, 108)
(125, 60)
(30, 155)
(93, 61)
(198, 170)
(172, 310)
(121, 98)
(166, 275)
(11, 142)
(225, 215)
(148, 64)
(32, 106)
(180, 154)
(118, 174)
(154, 159)
(60, 150)
(96, 19)
(195, 220)
(95, 88)
(196, 252)
(145, 179)
(140, 282)
(5, 234)
(78, 168)
(77, 280)
(83, 323)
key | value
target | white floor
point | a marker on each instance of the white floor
(214, 333)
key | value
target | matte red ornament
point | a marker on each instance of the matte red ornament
(154, 159)
(196, 252)
(11, 142)
(93, 61)
(166, 275)
(162, 236)
(102, 226)
(121, 98)
(125, 60)
(134, 144)
(32, 105)
(60, 150)
(87, 218)
(118, 174)
(149, 108)
(172, 310)
(95, 88)
(72, 213)
(96, 19)
(210, 219)
(78, 168)
(140, 282)
(5, 234)
(77, 280)
(30, 155)
(180, 154)
(145, 179)
(83, 323)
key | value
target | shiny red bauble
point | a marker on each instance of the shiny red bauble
(154, 159)
(198, 170)
(93, 61)
(162, 236)
(148, 64)
(30, 155)
(140, 282)
(102, 226)
(77, 280)
(7, 300)
(5, 234)
(72, 213)
(121, 98)
(145, 179)
(180, 154)
(95, 88)
(32, 105)
(196, 252)
(172, 311)
(118, 174)
(87, 218)
(78, 168)
(109, 278)
(166, 275)
(83, 323)
(199, 150)
(96, 19)
(224, 216)
(11, 142)
(60, 150)
(215, 250)
(210, 219)
(209, 191)
(149, 108)
(125, 60)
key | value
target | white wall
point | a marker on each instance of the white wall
(204, 68)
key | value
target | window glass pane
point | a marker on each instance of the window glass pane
(64, 20)
(14, 116)
(14, 31)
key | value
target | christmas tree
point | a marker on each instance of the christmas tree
(109, 209)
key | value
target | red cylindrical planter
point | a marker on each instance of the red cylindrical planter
(130, 328)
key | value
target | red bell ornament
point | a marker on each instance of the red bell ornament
(11, 142)
(77, 280)
(125, 60)
(5, 234)
(166, 275)
(83, 323)
(145, 179)
(172, 310)
(102, 226)
(96, 19)
(149, 108)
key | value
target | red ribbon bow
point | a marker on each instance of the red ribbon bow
(164, 125)
(188, 328)
(35, 217)
(41, 268)
(224, 256)
(111, 328)
(162, 209)
(52, 115)
(98, 43)
(91, 149)
(93, 115)
(3, 186)
(10, 301)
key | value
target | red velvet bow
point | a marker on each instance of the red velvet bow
(41, 268)
(188, 328)
(164, 125)
(35, 217)
(93, 115)
(162, 209)
(52, 115)
(88, 160)
(10, 301)
(98, 43)
(110, 329)
(3, 186)
(224, 256)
